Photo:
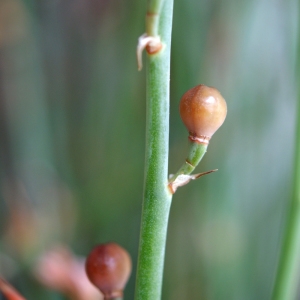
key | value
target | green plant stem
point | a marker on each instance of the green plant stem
(288, 272)
(287, 279)
(154, 6)
(152, 16)
(196, 153)
(157, 197)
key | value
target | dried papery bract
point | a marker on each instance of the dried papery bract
(202, 110)
(152, 44)
(108, 267)
(183, 179)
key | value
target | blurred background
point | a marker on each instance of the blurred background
(72, 135)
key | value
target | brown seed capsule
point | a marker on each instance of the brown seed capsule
(108, 267)
(202, 110)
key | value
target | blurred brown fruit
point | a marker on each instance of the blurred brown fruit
(108, 267)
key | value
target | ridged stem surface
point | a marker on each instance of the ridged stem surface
(157, 198)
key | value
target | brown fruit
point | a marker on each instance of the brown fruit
(108, 267)
(202, 110)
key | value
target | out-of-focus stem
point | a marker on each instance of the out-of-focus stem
(8, 291)
(288, 273)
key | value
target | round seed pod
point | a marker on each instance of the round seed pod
(108, 267)
(202, 110)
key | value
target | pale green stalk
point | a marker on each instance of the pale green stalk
(288, 273)
(157, 197)
(196, 153)
(153, 17)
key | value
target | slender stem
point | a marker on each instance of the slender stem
(152, 20)
(152, 16)
(197, 152)
(288, 273)
(154, 6)
(157, 198)
(287, 279)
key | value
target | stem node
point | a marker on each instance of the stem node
(152, 44)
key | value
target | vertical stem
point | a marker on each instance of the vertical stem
(287, 279)
(288, 273)
(157, 198)
(153, 16)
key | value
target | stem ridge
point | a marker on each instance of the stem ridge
(157, 197)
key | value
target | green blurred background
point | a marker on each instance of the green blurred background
(72, 135)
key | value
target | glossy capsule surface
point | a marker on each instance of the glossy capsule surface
(202, 110)
(108, 267)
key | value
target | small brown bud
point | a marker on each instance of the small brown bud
(202, 110)
(153, 48)
(108, 267)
